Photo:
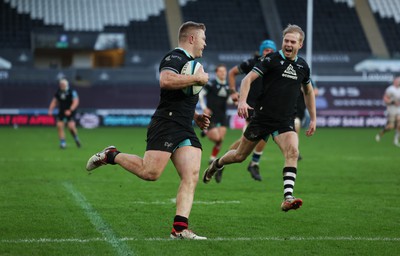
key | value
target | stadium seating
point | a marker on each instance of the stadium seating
(20, 17)
(88, 15)
(336, 25)
(387, 14)
(232, 25)
(16, 25)
(234, 30)
(350, 3)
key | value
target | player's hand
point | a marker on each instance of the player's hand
(202, 121)
(201, 76)
(235, 97)
(207, 111)
(311, 128)
(243, 108)
(67, 112)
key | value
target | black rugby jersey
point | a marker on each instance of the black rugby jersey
(256, 87)
(175, 105)
(217, 96)
(282, 79)
(64, 98)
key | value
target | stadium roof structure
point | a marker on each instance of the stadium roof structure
(378, 65)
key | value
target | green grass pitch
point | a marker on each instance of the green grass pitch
(49, 205)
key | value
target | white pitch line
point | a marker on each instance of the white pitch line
(173, 201)
(237, 239)
(101, 226)
(33, 159)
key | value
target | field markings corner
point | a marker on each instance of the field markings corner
(101, 226)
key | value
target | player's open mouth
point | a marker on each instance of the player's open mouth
(288, 50)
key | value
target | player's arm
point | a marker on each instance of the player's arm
(170, 80)
(74, 104)
(53, 104)
(309, 99)
(316, 91)
(202, 102)
(243, 107)
(233, 72)
(388, 100)
(315, 87)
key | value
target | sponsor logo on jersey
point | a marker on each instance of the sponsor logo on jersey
(63, 96)
(170, 57)
(168, 144)
(290, 72)
(222, 92)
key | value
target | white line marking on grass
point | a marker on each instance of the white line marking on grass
(320, 238)
(98, 222)
(173, 200)
(216, 202)
(50, 240)
(238, 239)
(394, 239)
(33, 159)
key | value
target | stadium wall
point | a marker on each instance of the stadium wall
(348, 98)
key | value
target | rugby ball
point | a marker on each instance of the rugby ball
(191, 68)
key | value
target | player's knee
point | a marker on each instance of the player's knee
(194, 177)
(190, 180)
(292, 153)
(152, 175)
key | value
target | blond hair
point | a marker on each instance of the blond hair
(64, 81)
(187, 28)
(293, 29)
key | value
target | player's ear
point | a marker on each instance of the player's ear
(191, 39)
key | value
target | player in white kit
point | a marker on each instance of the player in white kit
(392, 101)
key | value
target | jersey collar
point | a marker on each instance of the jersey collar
(283, 56)
(220, 82)
(183, 50)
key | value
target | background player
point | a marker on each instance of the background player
(392, 101)
(216, 93)
(266, 47)
(67, 101)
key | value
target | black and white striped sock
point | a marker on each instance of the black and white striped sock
(289, 178)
